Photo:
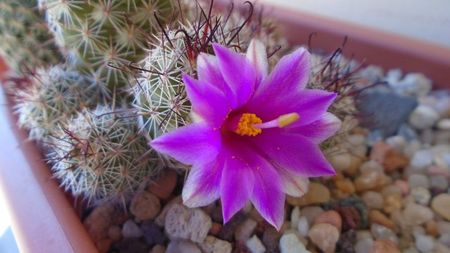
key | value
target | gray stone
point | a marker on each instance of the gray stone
(376, 108)
(131, 230)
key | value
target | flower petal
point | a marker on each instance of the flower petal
(309, 104)
(268, 196)
(192, 144)
(202, 186)
(293, 185)
(238, 73)
(257, 55)
(319, 130)
(292, 152)
(208, 71)
(207, 101)
(236, 185)
(290, 75)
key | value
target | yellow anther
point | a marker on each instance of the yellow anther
(287, 119)
(246, 125)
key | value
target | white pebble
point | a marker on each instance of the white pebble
(422, 159)
(444, 124)
(423, 117)
(303, 226)
(421, 195)
(295, 216)
(255, 245)
(289, 243)
(364, 245)
(424, 243)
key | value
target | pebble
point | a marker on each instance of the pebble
(317, 194)
(311, 212)
(289, 243)
(132, 245)
(152, 233)
(271, 237)
(421, 160)
(421, 195)
(438, 183)
(161, 218)
(255, 245)
(441, 248)
(443, 227)
(378, 217)
(215, 245)
(330, 217)
(245, 230)
(177, 246)
(445, 239)
(131, 230)
(363, 245)
(324, 236)
(145, 206)
(423, 117)
(415, 214)
(295, 216)
(398, 142)
(384, 246)
(373, 200)
(418, 180)
(424, 243)
(382, 232)
(367, 181)
(441, 205)
(431, 228)
(444, 124)
(164, 186)
(158, 249)
(303, 226)
(97, 224)
(345, 185)
(414, 84)
(394, 160)
(346, 162)
(115, 233)
(192, 224)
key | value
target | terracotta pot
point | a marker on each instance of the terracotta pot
(44, 220)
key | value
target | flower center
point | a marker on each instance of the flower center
(251, 125)
(246, 125)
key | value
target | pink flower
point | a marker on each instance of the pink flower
(256, 135)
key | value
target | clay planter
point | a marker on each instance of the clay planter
(43, 218)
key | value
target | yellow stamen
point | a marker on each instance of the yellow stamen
(246, 125)
(287, 119)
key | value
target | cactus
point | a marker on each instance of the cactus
(159, 94)
(52, 96)
(99, 155)
(104, 32)
(25, 42)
